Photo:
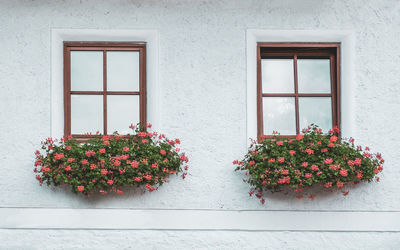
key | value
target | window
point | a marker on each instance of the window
(297, 85)
(104, 87)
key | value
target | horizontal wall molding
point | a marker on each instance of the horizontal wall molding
(156, 219)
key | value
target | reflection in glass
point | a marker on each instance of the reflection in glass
(314, 75)
(277, 75)
(316, 110)
(123, 71)
(122, 111)
(86, 70)
(279, 115)
(86, 114)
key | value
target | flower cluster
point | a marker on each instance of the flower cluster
(311, 158)
(107, 163)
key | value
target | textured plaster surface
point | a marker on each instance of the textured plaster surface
(202, 76)
(97, 239)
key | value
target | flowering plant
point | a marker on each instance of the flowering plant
(312, 158)
(106, 163)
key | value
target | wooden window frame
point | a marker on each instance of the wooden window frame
(293, 51)
(104, 47)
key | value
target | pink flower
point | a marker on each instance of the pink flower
(110, 182)
(292, 152)
(357, 161)
(59, 156)
(117, 163)
(281, 159)
(149, 187)
(339, 184)
(103, 171)
(252, 163)
(125, 149)
(331, 145)
(304, 164)
(309, 151)
(328, 184)
(271, 160)
(284, 171)
(119, 192)
(89, 153)
(359, 175)
(80, 188)
(328, 161)
(93, 166)
(177, 141)
(147, 177)
(67, 168)
(70, 160)
(84, 162)
(279, 143)
(314, 167)
(299, 137)
(69, 148)
(102, 150)
(343, 172)
(135, 164)
(334, 167)
(324, 150)
(163, 152)
(308, 175)
(137, 179)
(333, 138)
(144, 141)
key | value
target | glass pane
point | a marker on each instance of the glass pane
(277, 75)
(87, 70)
(317, 110)
(122, 110)
(123, 71)
(279, 115)
(86, 114)
(314, 75)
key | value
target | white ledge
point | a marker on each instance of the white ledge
(153, 219)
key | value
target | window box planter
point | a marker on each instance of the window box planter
(312, 158)
(107, 163)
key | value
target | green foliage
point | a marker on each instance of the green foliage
(309, 159)
(107, 163)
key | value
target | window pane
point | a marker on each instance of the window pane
(277, 76)
(87, 70)
(314, 75)
(279, 115)
(122, 110)
(317, 110)
(123, 71)
(86, 114)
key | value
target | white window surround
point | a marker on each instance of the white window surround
(58, 36)
(344, 37)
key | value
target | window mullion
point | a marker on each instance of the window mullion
(333, 90)
(296, 91)
(104, 92)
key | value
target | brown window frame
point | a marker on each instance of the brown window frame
(103, 46)
(294, 50)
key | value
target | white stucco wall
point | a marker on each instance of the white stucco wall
(202, 83)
